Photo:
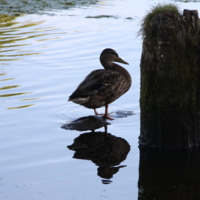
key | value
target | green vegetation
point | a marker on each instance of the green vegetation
(155, 10)
(18, 7)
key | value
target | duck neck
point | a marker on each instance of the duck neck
(118, 68)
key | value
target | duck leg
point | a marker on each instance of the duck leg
(106, 113)
(95, 112)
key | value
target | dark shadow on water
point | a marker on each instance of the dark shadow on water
(105, 150)
(94, 122)
(169, 174)
(91, 122)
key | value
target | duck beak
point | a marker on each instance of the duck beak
(121, 61)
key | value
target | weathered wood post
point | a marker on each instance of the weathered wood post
(170, 79)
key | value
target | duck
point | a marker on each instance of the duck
(103, 86)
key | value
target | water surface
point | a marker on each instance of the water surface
(43, 58)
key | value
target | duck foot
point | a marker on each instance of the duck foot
(107, 117)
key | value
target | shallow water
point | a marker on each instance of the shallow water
(43, 58)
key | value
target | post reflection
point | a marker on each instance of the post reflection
(102, 148)
(169, 174)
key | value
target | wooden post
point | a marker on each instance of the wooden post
(170, 81)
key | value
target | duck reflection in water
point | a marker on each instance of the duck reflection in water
(105, 150)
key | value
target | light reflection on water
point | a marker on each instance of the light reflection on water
(17, 40)
(8, 87)
(15, 35)
(43, 59)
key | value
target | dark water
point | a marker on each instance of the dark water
(43, 58)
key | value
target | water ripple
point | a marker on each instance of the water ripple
(20, 39)
(8, 87)
(14, 94)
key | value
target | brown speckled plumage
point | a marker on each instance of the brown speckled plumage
(103, 86)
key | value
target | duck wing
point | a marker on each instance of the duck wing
(99, 81)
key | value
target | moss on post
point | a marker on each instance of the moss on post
(170, 84)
